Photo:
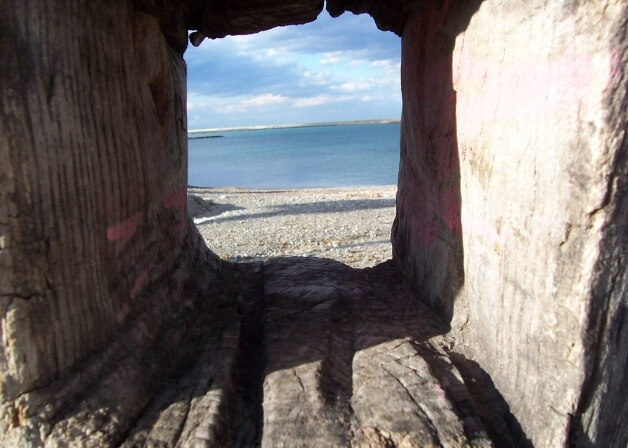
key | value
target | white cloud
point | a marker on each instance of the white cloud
(354, 86)
(391, 67)
(263, 100)
(331, 58)
(319, 100)
(356, 62)
(245, 42)
(290, 74)
(256, 101)
(197, 101)
(317, 78)
(382, 63)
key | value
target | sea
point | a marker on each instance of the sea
(299, 156)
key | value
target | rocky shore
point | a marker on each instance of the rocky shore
(351, 224)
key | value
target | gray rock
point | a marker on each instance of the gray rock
(197, 206)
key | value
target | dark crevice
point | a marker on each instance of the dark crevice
(336, 366)
(245, 419)
(336, 371)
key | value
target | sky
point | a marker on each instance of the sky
(338, 69)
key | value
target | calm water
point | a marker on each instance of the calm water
(323, 156)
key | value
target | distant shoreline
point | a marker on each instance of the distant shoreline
(191, 133)
(195, 189)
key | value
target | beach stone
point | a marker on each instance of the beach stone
(197, 206)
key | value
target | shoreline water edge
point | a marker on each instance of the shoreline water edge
(198, 133)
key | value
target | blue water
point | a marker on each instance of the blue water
(303, 157)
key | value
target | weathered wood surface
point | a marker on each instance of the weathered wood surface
(93, 152)
(512, 201)
(511, 223)
(297, 352)
(294, 352)
(321, 355)
(96, 253)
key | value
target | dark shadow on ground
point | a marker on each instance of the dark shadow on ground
(492, 409)
(305, 208)
(269, 326)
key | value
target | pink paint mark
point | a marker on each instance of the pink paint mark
(616, 68)
(449, 202)
(490, 92)
(483, 230)
(124, 230)
(440, 394)
(124, 311)
(426, 232)
(139, 282)
(176, 198)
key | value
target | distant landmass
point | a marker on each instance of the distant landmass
(192, 133)
(206, 136)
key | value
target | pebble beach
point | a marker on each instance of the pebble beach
(348, 224)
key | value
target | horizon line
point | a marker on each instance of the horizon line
(296, 125)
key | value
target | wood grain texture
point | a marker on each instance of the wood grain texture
(306, 356)
(119, 327)
(508, 215)
(291, 352)
(96, 249)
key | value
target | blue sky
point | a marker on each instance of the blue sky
(328, 70)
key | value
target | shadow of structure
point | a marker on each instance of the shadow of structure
(307, 208)
(313, 350)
